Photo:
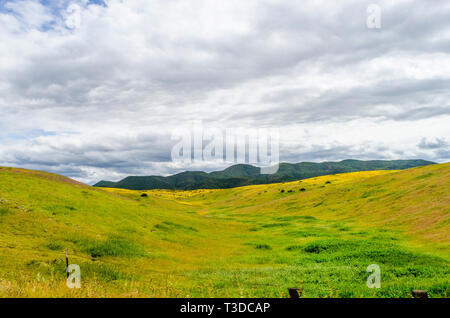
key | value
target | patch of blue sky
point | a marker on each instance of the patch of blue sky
(64, 4)
(4, 8)
(56, 7)
(30, 134)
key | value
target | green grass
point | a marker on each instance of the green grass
(4, 211)
(55, 246)
(263, 246)
(112, 246)
(252, 241)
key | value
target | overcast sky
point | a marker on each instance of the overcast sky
(94, 89)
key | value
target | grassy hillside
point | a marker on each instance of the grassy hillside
(242, 175)
(318, 233)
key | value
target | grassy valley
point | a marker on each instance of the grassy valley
(319, 233)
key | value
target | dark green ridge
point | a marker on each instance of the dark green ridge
(244, 174)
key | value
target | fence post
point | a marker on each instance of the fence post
(419, 293)
(295, 292)
(67, 265)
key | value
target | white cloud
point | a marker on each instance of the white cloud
(31, 14)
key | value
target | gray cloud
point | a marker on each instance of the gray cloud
(438, 143)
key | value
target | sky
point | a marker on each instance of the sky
(95, 89)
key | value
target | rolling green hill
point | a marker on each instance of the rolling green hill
(242, 174)
(254, 241)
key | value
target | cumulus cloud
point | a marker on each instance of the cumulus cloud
(100, 99)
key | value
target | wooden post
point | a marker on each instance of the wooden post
(419, 293)
(295, 292)
(67, 265)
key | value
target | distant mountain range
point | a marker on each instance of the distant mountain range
(243, 174)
